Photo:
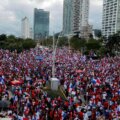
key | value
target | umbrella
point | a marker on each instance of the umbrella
(16, 82)
(79, 71)
(39, 58)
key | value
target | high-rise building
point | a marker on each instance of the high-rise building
(111, 17)
(25, 28)
(75, 16)
(31, 33)
(41, 24)
(67, 16)
(80, 14)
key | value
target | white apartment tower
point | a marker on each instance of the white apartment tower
(111, 17)
(75, 16)
(31, 33)
(25, 28)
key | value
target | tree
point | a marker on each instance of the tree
(28, 43)
(11, 37)
(102, 51)
(93, 45)
(3, 37)
(12, 43)
(63, 41)
(47, 42)
(77, 43)
(113, 43)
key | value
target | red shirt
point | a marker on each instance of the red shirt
(106, 104)
(25, 119)
(81, 115)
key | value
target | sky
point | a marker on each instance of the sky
(12, 12)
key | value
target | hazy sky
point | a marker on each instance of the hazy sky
(12, 11)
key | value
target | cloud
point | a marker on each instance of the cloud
(12, 11)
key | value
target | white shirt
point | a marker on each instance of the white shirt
(85, 116)
(104, 95)
(118, 108)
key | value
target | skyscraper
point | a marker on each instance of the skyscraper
(41, 24)
(67, 16)
(31, 33)
(111, 17)
(25, 28)
(75, 16)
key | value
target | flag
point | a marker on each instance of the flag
(93, 80)
(98, 82)
(2, 80)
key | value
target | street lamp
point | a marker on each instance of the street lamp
(53, 58)
(54, 80)
(54, 53)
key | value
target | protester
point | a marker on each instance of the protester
(92, 87)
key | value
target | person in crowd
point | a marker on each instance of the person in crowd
(92, 87)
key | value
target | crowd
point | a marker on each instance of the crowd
(92, 87)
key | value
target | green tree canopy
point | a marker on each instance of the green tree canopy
(13, 43)
(77, 43)
(3, 37)
(93, 45)
(113, 43)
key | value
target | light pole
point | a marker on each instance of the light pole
(54, 80)
(53, 58)
(54, 53)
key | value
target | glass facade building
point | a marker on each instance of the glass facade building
(75, 16)
(41, 24)
(67, 16)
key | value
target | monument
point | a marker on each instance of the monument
(54, 84)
